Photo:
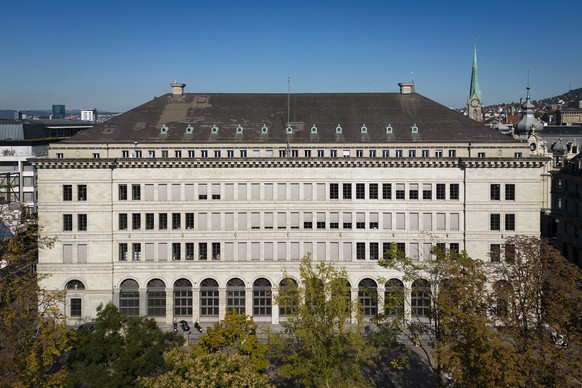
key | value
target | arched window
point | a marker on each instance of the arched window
(420, 298)
(394, 298)
(368, 296)
(156, 295)
(209, 298)
(76, 304)
(262, 297)
(288, 297)
(183, 297)
(129, 298)
(235, 295)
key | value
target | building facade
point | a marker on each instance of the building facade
(194, 203)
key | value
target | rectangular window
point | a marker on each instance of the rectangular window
(438, 153)
(281, 220)
(125, 154)
(294, 220)
(454, 191)
(373, 220)
(96, 155)
(398, 153)
(82, 222)
(163, 221)
(75, 307)
(176, 251)
(374, 250)
(425, 153)
(164, 153)
(411, 153)
(189, 220)
(333, 153)
(426, 191)
(372, 153)
(122, 221)
(495, 222)
(189, 251)
(509, 253)
(202, 221)
(307, 191)
(385, 153)
(255, 192)
(387, 220)
(122, 251)
(176, 192)
(67, 222)
(454, 247)
(426, 221)
(320, 153)
(495, 253)
(152, 153)
(334, 191)
(347, 191)
(135, 192)
(373, 191)
(281, 191)
(202, 251)
(320, 220)
(334, 220)
(359, 153)
(510, 222)
(176, 220)
(320, 190)
(360, 191)
(138, 154)
(307, 153)
(440, 191)
(242, 221)
(135, 221)
(149, 221)
(455, 221)
(228, 221)
(441, 221)
(81, 192)
(162, 192)
(136, 251)
(400, 192)
(67, 192)
(400, 221)
(495, 192)
(413, 191)
(268, 217)
(243, 153)
(480, 154)
(360, 220)
(255, 220)
(307, 220)
(294, 191)
(215, 251)
(510, 192)
(347, 221)
(413, 221)
(386, 190)
(149, 192)
(122, 192)
(361, 251)
(230, 153)
(452, 153)
(518, 154)
(215, 191)
(202, 191)
(191, 153)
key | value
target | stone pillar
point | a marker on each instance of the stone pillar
(143, 302)
(275, 307)
(354, 298)
(249, 300)
(221, 303)
(195, 304)
(169, 306)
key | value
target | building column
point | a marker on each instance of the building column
(221, 303)
(275, 306)
(143, 302)
(169, 306)
(354, 298)
(381, 302)
(195, 304)
(249, 300)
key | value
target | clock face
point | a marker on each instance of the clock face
(474, 103)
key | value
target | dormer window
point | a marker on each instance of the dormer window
(414, 128)
(189, 129)
(289, 130)
(264, 129)
(164, 129)
(214, 129)
(338, 129)
(313, 129)
(364, 129)
(389, 129)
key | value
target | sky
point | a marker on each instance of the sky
(116, 55)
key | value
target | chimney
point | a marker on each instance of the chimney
(177, 88)
(406, 87)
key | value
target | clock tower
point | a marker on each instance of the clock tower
(474, 102)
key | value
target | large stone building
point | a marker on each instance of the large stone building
(193, 203)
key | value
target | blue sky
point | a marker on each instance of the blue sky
(115, 55)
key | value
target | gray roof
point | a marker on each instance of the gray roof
(325, 111)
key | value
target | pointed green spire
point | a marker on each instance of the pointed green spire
(475, 90)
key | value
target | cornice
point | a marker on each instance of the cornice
(528, 162)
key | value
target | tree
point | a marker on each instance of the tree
(235, 334)
(318, 345)
(33, 336)
(119, 349)
(217, 369)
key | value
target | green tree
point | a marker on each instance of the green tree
(235, 334)
(33, 337)
(321, 343)
(217, 369)
(119, 350)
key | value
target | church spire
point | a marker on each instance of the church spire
(475, 90)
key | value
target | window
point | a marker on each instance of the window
(440, 191)
(510, 192)
(398, 153)
(67, 222)
(156, 298)
(307, 153)
(235, 295)
(189, 220)
(360, 191)
(495, 221)
(75, 308)
(135, 192)
(129, 298)
(413, 191)
(374, 250)
(320, 221)
(320, 153)
(209, 298)
(372, 153)
(136, 251)
(361, 251)
(452, 153)
(400, 193)
(164, 153)
(135, 221)
(215, 251)
(427, 191)
(347, 191)
(411, 153)
(518, 154)
(215, 190)
(189, 251)
(495, 252)
(495, 192)
(480, 154)
(454, 191)
(152, 153)
(347, 221)
(510, 222)
(374, 221)
(176, 251)
(509, 253)
(454, 247)
(288, 302)
(177, 153)
(176, 220)
(122, 192)
(386, 190)
(334, 220)
(122, 221)
(368, 296)
(359, 153)
(81, 192)
(385, 153)
(307, 220)
(149, 221)
(262, 298)
(163, 221)
(202, 191)
(333, 153)
(60, 155)
(425, 153)
(202, 251)
(420, 298)
(191, 153)
(373, 191)
(82, 222)
(67, 192)
(334, 191)
(183, 298)
(125, 154)
(394, 298)
(122, 251)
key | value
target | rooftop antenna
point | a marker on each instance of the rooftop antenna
(527, 83)
(288, 150)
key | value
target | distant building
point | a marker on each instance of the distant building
(89, 115)
(569, 116)
(59, 112)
